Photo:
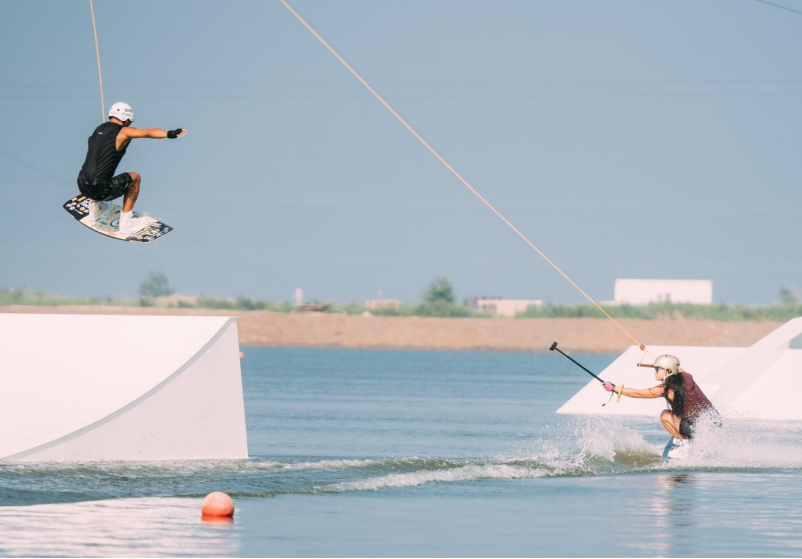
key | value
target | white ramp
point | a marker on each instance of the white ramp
(83, 387)
(757, 382)
(763, 380)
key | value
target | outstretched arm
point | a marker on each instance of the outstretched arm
(653, 392)
(129, 133)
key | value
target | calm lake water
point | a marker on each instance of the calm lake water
(406, 453)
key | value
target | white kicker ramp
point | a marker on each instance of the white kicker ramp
(758, 382)
(85, 387)
(764, 381)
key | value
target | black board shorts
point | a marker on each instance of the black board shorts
(106, 189)
(688, 426)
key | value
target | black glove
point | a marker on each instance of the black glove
(173, 134)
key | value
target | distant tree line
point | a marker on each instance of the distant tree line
(438, 300)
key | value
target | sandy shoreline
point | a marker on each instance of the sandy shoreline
(262, 328)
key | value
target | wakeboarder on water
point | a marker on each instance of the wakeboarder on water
(688, 404)
(107, 146)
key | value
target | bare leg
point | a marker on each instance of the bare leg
(132, 193)
(671, 423)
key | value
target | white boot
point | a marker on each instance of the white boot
(98, 210)
(130, 224)
(681, 450)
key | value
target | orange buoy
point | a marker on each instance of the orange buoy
(217, 504)
(241, 354)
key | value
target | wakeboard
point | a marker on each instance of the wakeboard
(674, 450)
(78, 208)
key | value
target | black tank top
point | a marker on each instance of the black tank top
(102, 156)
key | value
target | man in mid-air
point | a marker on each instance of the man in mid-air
(97, 181)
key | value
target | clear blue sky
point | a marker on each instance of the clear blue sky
(626, 138)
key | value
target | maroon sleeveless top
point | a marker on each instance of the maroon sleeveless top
(695, 401)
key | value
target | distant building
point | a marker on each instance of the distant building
(505, 307)
(376, 304)
(473, 300)
(645, 291)
(381, 303)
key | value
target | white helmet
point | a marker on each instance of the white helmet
(667, 362)
(122, 111)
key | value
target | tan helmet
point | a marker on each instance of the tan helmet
(667, 362)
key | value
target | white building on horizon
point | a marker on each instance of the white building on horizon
(645, 291)
(380, 302)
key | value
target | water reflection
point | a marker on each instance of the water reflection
(115, 528)
(673, 508)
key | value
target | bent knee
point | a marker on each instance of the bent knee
(666, 416)
(135, 177)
